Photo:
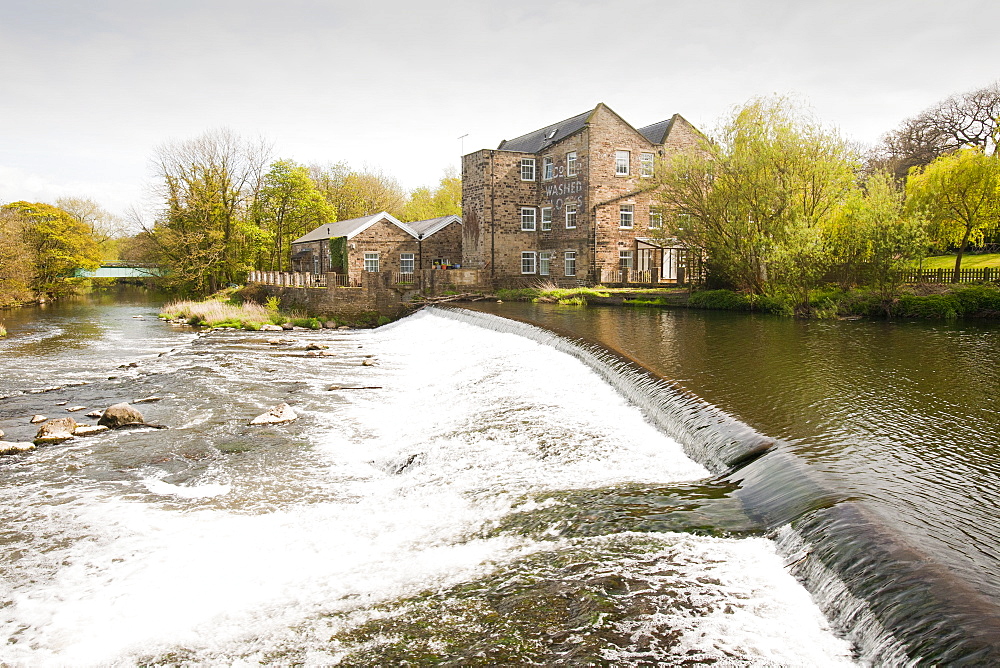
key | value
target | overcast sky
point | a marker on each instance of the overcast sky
(91, 87)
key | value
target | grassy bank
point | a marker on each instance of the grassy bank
(968, 261)
(938, 302)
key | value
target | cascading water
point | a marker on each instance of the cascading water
(492, 500)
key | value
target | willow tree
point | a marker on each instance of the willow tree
(756, 196)
(205, 235)
(960, 195)
(875, 238)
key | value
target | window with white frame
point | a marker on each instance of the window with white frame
(569, 263)
(406, 263)
(570, 216)
(646, 164)
(544, 260)
(528, 262)
(655, 217)
(371, 261)
(621, 163)
(547, 169)
(527, 219)
(527, 169)
(571, 163)
(626, 215)
(546, 218)
(625, 259)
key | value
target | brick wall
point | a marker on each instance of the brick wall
(446, 243)
(384, 238)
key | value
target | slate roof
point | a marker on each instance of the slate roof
(657, 132)
(350, 228)
(534, 142)
(539, 140)
(425, 228)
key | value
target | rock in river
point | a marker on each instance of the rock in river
(11, 447)
(56, 431)
(277, 415)
(120, 415)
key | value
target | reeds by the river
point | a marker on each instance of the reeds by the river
(213, 313)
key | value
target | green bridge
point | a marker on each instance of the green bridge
(121, 270)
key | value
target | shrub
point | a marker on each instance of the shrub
(937, 307)
(720, 299)
(308, 323)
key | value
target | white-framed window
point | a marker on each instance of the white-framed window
(571, 163)
(655, 217)
(626, 215)
(528, 262)
(527, 169)
(547, 169)
(569, 263)
(546, 218)
(406, 263)
(371, 261)
(544, 260)
(625, 259)
(621, 163)
(646, 164)
(570, 216)
(527, 219)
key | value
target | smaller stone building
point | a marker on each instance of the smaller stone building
(379, 242)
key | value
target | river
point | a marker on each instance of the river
(500, 495)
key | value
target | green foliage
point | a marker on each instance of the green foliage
(959, 193)
(53, 243)
(445, 200)
(338, 255)
(874, 238)
(308, 323)
(287, 206)
(756, 198)
(355, 194)
(3, 331)
(273, 303)
(518, 294)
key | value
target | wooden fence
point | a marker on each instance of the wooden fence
(303, 279)
(946, 275)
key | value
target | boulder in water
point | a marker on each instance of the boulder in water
(316, 346)
(120, 415)
(271, 328)
(146, 400)
(36, 419)
(12, 447)
(76, 409)
(55, 431)
(279, 414)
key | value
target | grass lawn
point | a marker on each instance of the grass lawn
(968, 261)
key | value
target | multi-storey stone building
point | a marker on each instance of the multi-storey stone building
(569, 201)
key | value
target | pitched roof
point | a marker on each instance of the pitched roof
(534, 142)
(421, 229)
(657, 132)
(425, 228)
(350, 228)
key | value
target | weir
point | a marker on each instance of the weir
(887, 598)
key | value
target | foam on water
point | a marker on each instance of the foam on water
(469, 426)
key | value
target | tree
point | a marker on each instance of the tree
(755, 198)
(106, 228)
(874, 239)
(17, 273)
(968, 119)
(205, 235)
(57, 244)
(288, 205)
(445, 200)
(958, 193)
(356, 194)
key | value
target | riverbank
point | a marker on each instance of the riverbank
(923, 301)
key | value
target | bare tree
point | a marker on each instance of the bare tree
(968, 119)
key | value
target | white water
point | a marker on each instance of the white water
(398, 489)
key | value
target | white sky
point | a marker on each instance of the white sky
(89, 88)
